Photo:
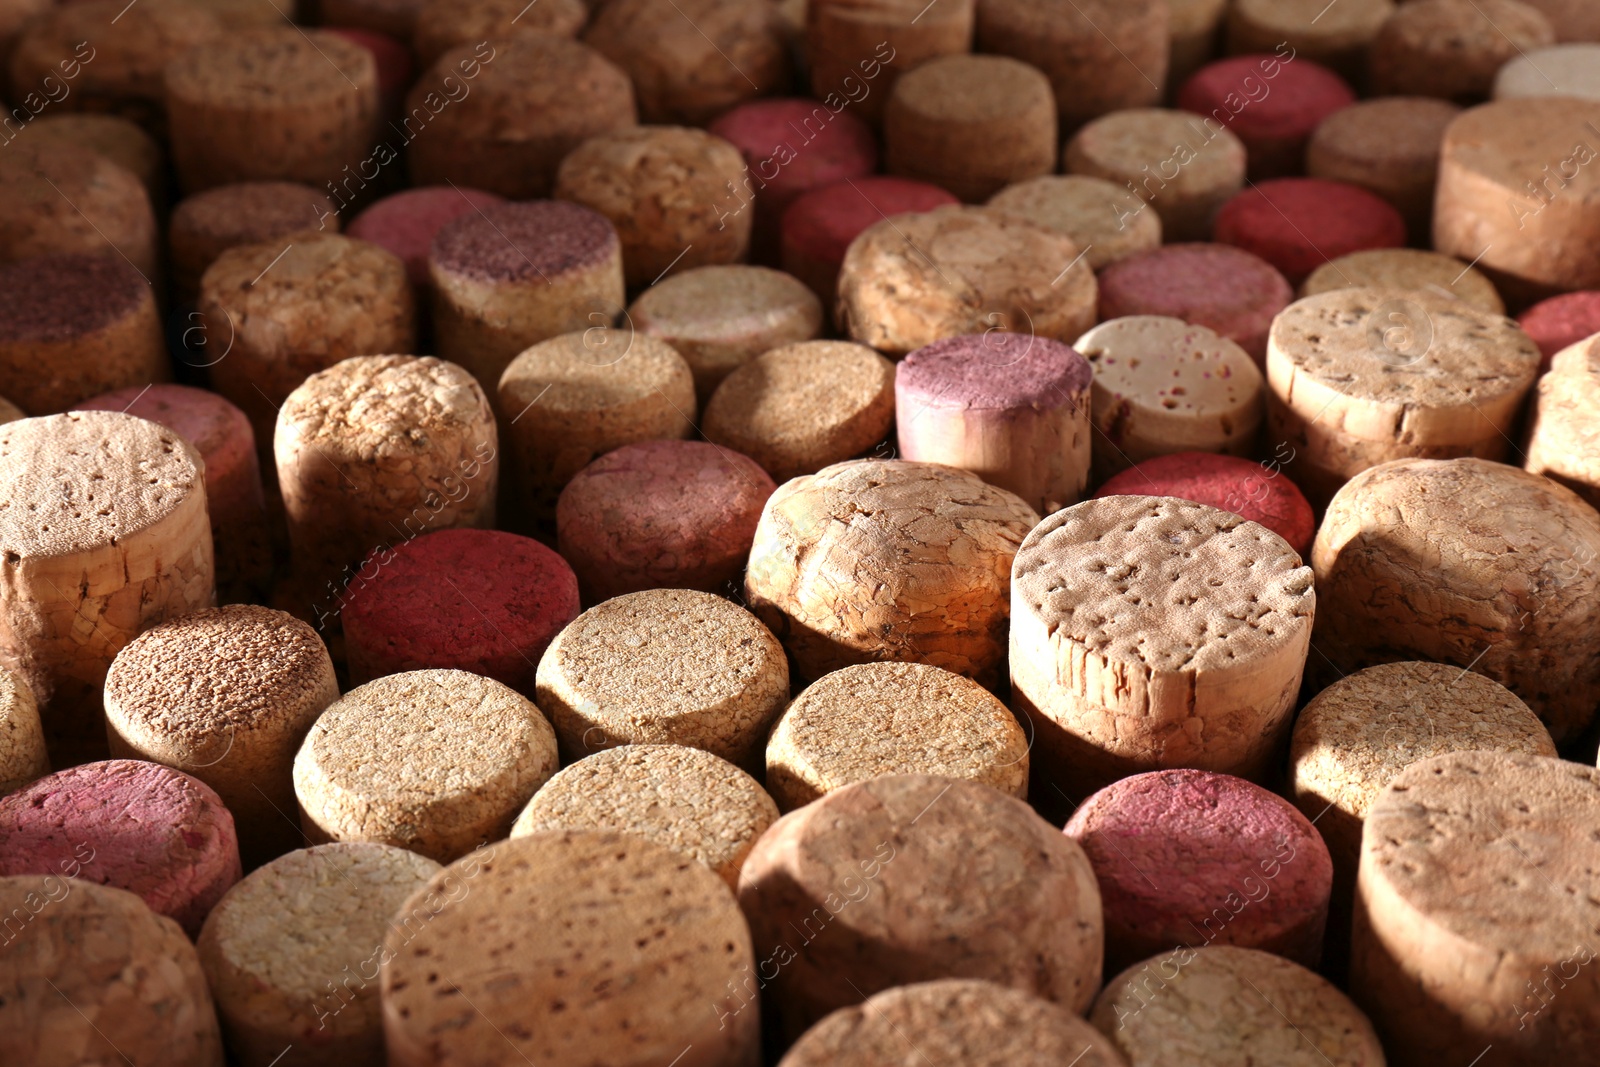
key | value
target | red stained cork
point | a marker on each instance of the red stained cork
(1248, 489)
(407, 222)
(1274, 103)
(524, 241)
(998, 370)
(51, 299)
(1225, 289)
(819, 226)
(1298, 224)
(1561, 321)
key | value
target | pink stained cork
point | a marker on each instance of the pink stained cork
(1189, 857)
(1273, 103)
(1298, 224)
(406, 222)
(1561, 321)
(143, 827)
(661, 514)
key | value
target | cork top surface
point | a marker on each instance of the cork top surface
(652, 492)
(260, 70)
(1571, 69)
(527, 242)
(83, 479)
(971, 89)
(281, 278)
(56, 299)
(1406, 268)
(35, 177)
(1163, 584)
(1493, 26)
(118, 139)
(1510, 142)
(247, 212)
(203, 418)
(1188, 281)
(844, 148)
(723, 304)
(824, 221)
(1387, 129)
(1303, 94)
(994, 370)
(1358, 18)
(384, 409)
(1101, 216)
(1581, 358)
(618, 171)
(127, 61)
(591, 370)
(1125, 141)
(801, 391)
(1168, 368)
(1231, 483)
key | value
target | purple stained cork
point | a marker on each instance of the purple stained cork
(407, 222)
(522, 241)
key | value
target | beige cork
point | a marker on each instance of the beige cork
(971, 124)
(1219, 1006)
(685, 798)
(57, 198)
(664, 667)
(1406, 268)
(120, 140)
(1452, 49)
(94, 976)
(857, 50)
(1358, 377)
(1104, 219)
(1163, 386)
(888, 560)
(292, 953)
(1564, 424)
(908, 878)
(435, 761)
(799, 408)
(9, 412)
(874, 719)
(1336, 37)
(205, 225)
(442, 25)
(1185, 167)
(1560, 70)
(1475, 916)
(1574, 20)
(1151, 632)
(226, 695)
(280, 103)
(919, 278)
(1389, 146)
(1193, 35)
(22, 752)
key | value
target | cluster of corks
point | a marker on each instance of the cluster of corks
(710, 533)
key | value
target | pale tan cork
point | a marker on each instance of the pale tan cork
(120, 140)
(1388, 146)
(571, 948)
(205, 225)
(1104, 219)
(293, 952)
(1336, 37)
(857, 50)
(685, 798)
(1560, 70)
(1452, 49)
(22, 752)
(1564, 424)
(1193, 35)
(1406, 268)
(57, 198)
(445, 24)
(874, 719)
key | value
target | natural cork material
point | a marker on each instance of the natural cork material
(1564, 425)
(22, 752)
(1336, 37)
(1560, 70)
(1406, 268)
(1193, 30)
(857, 50)
(1388, 146)
(1105, 219)
(445, 24)
(1452, 49)
(207, 224)
(57, 199)
(123, 142)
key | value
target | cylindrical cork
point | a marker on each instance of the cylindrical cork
(250, 14)
(124, 983)
(377, 449)
(1336, 37)
(105, 535)
(665, 667)
(22, 753)
(1561, 322)
(276, 312)
(1473, 924)
(58, 199)
(971, 124)
(1560, 70)
(1273, 102)
(1150, 633)
(281, 103)
(226, 695)
(1389, 146)
(1298, 224)
(1193, 36)
(395, 65)
(1358, 377)
(74, 326)
(1011, 408)
(1186, 170)
(1100, 55)
(874, 719)
(442, 25)
(1406, 268)
(14, 15)
(501, 115)
(205, 225)
(407, 222)
(1573, 20)
(684, 798)
(907, 878)
(857, 51)
(1223, 1004)
(120, 140)
(1412, 563)
(435, 761)
(398, 18)
(1452, 49)
(1162, 386)
(510, 276)
(1564, 425)
(879, 560)
(1104, 219)
(916, 279)
(293, 952)
(471, 974)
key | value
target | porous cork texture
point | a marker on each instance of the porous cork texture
(94, 976)
(1388, 146)
(435, 761)
(109, 211)
(915, 279)
(22, 752)
(316, 988)
(1452, 49)
(1336, 37)
(442, 25)
(857, 50)
(801, 407)
(1474, 920)
(888, 560)
(664, 666)
(873, 719)
(1564, 424)
(1406, 268)
(1470, 563)
(1559, 70)
(683, 798)
(207, 224)
(225, 695)
(571, 947)
(123, 142)
(1151, 632)
(1105, 219)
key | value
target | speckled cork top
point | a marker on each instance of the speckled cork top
(273, 68)
(51, 299)
(383, 408)
(996, 370)
(1509, 142)
(968, 89)
(245, 212)
(523, 242)
(588, 369)
(1171, 371)
(346, 281)
(793, 398)
(1124, 141)
(727, 304)
(1102, 217)
(1406, 268)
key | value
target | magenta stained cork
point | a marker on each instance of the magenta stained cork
(149, 829)
(661, 515)
(818, 227)
(483, 601)
(406, 222)
(1189, 857)
(1561, 321)
(1273, 103)
(1298, 224)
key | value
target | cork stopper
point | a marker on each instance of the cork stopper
(1564, 434)
(849, 44)
(57, 199)
(1560, 70)
(1336, 37)
(1388, 146)
(445, 24)
(22, 752)
(9, 412)
(205, 225)
(1103, 218)
(1406, 268)
(1453, 48)
(122, 141)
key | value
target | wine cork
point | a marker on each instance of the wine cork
(1472, 925)
(512, 112)
(1560, 70)
(75, 325)
(1562, 435)
(1272, 102)
(971, 124)
(1183, 168)
(720, 318)
(9, 412)
(857, 51)
(1388, 146)
(407, 222)
(1520, 618)
(874, 719)
(1452, 49)
(124, 983)
(669, 190)
(1406, 268)
(442, 25)
(665, 667)
(863, 890)
(120, 140)
(1010, 408)
(1335, 37)
(267, 104)
(57, 199)
(1100, 55)
(683, 798)
(910, 281)
(1258, 492)
(1193, 37)
(395, 67)
(1298, 224)
(207, 224)
(106, 535)
(1561, 322)
(398, 18)
(511, 276)
(22, 753)
(226, 695)
(249, 14)
(1357, 377)
(1573, 20)
(801, 407)
(475, 978)
(14, 15)
(1162, 386)
(1106, 220)
(1150, 633)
